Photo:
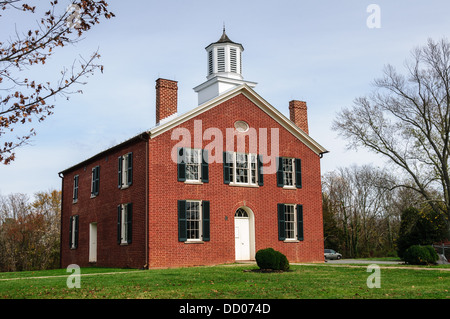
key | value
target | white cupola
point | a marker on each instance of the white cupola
(224, 69)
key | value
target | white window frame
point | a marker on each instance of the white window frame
(124, 224)
(199, 221)
(292, 172)
(252, 170)
(187, 157)
(125, 182)
(292, 222)
(73, 227)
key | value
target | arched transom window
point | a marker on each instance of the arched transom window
(241, 213)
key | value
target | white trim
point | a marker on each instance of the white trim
(198, 152)
(255, 98)
(200, 223)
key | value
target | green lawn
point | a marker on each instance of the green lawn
(229, 282)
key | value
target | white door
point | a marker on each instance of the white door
(242, 238)
(93, 242)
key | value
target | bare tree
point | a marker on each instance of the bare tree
(23, 98)
(361, 208)
(406, 119)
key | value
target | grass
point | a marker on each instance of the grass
(228, 282)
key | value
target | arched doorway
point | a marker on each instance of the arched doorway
(244, 234)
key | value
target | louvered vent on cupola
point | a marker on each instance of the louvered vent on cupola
(220, 59)
(210, 63)
(233, 60)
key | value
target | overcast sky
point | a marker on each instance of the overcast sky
(322, 52)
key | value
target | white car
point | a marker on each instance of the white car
(331, 254)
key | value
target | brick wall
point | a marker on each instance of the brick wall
(103, 210)
(165, 191)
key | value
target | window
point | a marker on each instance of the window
(75, 188)
(125, 172)
(73, 232)
(289, 172)
(193, 165)
(193, 220)
(290, 222)
(243, 169)
(241, 213)
(124, 223)
(95, 187)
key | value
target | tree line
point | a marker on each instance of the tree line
(366, 215)
(30, 231)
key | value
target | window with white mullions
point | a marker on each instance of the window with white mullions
(243, 169)
(288, 171)
(193, 163)
(193, 220)
(290, 221)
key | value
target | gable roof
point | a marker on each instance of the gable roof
(258, 101)
(244, 89)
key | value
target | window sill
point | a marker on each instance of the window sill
(244, 185)
(194, 242)
(93, 196)
(289, 187)
(75, 201)
(291, 241)
(125, 186)
(194, 182)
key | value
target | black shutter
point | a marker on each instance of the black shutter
(93, 182)
(130, 169)
(119, 224)
(75, 188)
(226, 168)
(181, 164)
(205, 169)
(300, 222)
(280, 182)
(182, 223)
(260, 170)
(298, 173)
(70, 231)
(120, 171)
(129, 222)
(205, 220)
(76, 231)
(281, 222)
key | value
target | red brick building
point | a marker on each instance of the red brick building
(211, 186)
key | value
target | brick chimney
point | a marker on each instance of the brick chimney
(298, 114)
(166, 98)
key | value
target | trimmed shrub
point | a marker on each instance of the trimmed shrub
(420, 255)
(269, 258)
